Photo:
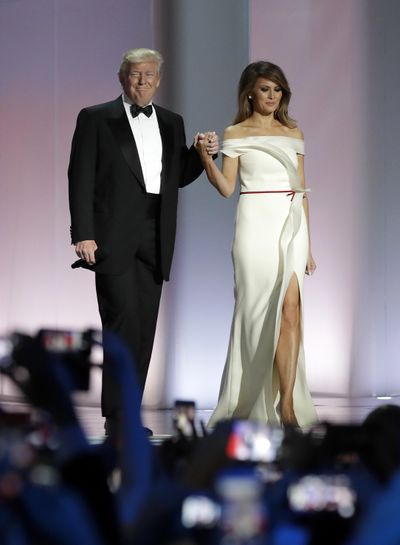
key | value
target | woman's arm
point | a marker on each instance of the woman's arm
(311, 266)
(224, 181)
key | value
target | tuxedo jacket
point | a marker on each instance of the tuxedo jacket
(106, 185)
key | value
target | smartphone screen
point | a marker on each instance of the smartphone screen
(6, 348)
(317, 493)
(184, 414)
(254, 441)
(75, 350)
(64, 342)
(200, 512)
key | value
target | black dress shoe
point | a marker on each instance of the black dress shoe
(111, 426)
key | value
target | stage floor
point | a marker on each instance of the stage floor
(332, 409)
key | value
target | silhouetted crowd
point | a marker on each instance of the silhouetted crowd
(244, 483)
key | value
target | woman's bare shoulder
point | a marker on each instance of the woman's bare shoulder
(234, 131)
(295, 132)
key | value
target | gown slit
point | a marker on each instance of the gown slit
(279, 323)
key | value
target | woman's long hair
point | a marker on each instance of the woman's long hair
(247, 82)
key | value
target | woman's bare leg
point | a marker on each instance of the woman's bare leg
(287, 351)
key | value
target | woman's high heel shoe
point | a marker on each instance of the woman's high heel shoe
(287, 420)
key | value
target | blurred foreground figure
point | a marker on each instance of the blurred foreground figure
(54, 485)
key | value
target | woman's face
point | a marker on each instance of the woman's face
(266, 96)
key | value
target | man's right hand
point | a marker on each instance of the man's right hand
(85, 250)
(201, 143)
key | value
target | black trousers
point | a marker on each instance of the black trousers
(129, 303)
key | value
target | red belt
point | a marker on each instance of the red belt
(291, 193)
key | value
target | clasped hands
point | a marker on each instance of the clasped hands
(206, 144)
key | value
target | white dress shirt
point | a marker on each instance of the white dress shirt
(148, 142)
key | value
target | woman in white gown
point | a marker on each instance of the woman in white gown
(264, 375)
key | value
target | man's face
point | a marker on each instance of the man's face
(141, 82)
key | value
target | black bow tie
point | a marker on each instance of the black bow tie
(136, 110)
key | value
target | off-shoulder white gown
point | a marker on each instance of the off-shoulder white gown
(270, 245)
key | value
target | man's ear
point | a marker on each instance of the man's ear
(121, 78)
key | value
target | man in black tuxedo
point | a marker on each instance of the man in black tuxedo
(128, 160)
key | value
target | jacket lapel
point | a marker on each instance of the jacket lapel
(167, 139)
(121, 130)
